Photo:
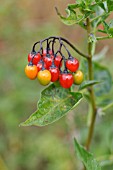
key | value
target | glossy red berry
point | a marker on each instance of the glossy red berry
(45, 52)
(58, 61)
(34, 57)
(54, 73)
(72, 64)
(40, 64)
(30, 56)
(66, 80)
(48, 61)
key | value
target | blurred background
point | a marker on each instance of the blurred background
(22, 23)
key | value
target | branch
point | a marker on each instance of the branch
(66, 41)
(104, 38)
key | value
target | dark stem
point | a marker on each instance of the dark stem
(66, 41)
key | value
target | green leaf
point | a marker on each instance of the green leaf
(110, 5)
(71, 16)
(54, 103)
(88, 83)
(73, 6)
(87, 158)
(102, 74)
(110, 30)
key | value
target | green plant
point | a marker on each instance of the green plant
(56, 101)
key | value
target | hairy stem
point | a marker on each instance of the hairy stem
(92, 96)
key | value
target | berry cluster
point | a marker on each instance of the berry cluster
(49, 66)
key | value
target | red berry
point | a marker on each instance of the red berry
(66, 80)
(48, 61)
(30, 56)
(72, 64)
(34, 57)
(39, 65)
(54, 73)
(58, 61)
(45, 52)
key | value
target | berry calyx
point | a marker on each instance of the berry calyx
(31, 71)
(44, 77)
(66, 79)
(78, 77)
(72, 64)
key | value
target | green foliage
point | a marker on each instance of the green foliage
(97, 10)
(54, 103)
(46, 148)
(87, 158)
(102, 75)
(71, 17)
(88, 83)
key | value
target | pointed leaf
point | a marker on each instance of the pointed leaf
(73, 6)
(71, 16)
(87, 158)
(54, 103)
(101, 74)
(86, 84)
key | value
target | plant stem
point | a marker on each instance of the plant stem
(104, 38)
(92, 96)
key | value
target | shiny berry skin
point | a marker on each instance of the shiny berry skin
(78, 77)
(54, 73)
(34, 57)
(58, 61)
(72, 64)
(44, 77)
(45, 52)
(66, 80)
(48, 61)
(31, 71)
(40, 64)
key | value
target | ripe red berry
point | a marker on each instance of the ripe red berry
(48, 61)
(58, 61)
(34, 57)
(40, 64)
(72, 64)
(45, 52)
(54, 73)
(66, 80)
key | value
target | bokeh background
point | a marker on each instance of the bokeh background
(22, 23)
